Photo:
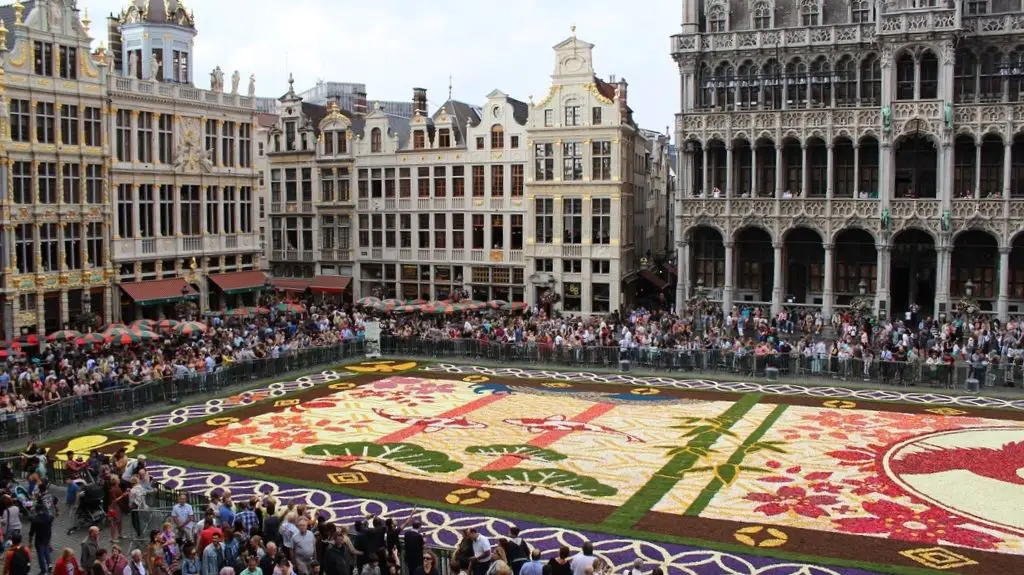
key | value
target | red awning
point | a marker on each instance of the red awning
(239, 282)
(330, 284)
(290, 284)
(658, 283)
(158, 291)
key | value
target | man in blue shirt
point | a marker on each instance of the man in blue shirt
(534, 566)
(224, 512)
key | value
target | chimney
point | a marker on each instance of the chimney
(622, 93)
(419, 101)
(359, 103)
(611, 78)
(114, 45)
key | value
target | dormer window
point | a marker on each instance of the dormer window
(328, 143)
(572, 113)
(289, 136)
(717, 19)
(375, 141)
(444, 138)
(497, 137)
(810, 13)
(419, 140)
(762, 15)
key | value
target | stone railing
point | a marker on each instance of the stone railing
(993, 25)
(850, 34)
(927, 21)
(850, 119)
(182, 92)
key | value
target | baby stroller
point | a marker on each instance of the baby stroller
(22, 498)
(89, 512)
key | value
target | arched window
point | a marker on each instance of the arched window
(762, 15)
(810, 13)
(716, 19)
(725, 84)
(821, 82)
(497, 137)
(870, 80)
(906, 74)
(705, 87)
(1015, 73)
(375, 140)
(772, 84)
(862, 11)
(965, 72)
(990, 80)
(846, 81)
(930, 76)
(796, 82)
(749, 87)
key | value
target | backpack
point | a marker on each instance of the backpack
(19, 562)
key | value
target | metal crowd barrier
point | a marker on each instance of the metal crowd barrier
(698, 361)
(124, 399)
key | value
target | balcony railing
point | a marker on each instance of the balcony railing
(497, 203)
(404, 203)
(131, 85)
(774, 39)
(191, 244)
(458, 203)
(928, 21)
(440, 203)
(149, 245)
(440, 255)
(994, 25)
(423, 204)
(377, 253)
(390, 204)
(516, 256)
(405, 254)
(423, 254)
(458, 255)
(476, 255)
(572, 251)
(231, 241)
(363, 205)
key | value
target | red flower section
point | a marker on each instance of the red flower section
(795, 499)
(925, 421)
(224, 436)
(285, 439)
(925, 527)
(874, 484)
(863, 458)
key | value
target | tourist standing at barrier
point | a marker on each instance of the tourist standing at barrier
(561, 565)
(183, 518)
(534, 566)
(40, 536)
(413, 545)
(584, 559)
(481, 553)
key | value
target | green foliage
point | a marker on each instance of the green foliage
(521, 451)
(557, 480)
(408, 454)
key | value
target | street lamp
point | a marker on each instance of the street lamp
(969, 288)
(967, 306)
(862, 305)
(862, 287)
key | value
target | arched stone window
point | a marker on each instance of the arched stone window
(762, 16)
(375, 140)
(497, 137)
(810, 12)
(718, 20)
(862, 11)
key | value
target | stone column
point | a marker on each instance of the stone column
(1003, 304)
(136, 230)
(728, 170)
(65, 314)
(1007, 167)
(882, 273)
(977, 168)
(203, 190)
(729, 273)
(683, 277)
(778, 291)
(176, 196)
(856, 169)
(829, 171)
(942, 277)
(706, 157)
(885, 176)
(805, 174)
(828, 297)
(755, 173)
(157, 214)
(779, 177)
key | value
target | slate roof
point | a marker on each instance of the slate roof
(7, 13)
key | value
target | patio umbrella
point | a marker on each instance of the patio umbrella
(367, 301)
(124, 338)
(64, 335)
(438, 307)
(110, 326)
(91, 339)
(290, 308)
(5, 353)
(189, 328)
(240, 312)
(515, 306)
(28, 339)
(416, 301)
(166, 324)
(148, 336)
(409, 308)
(262, 310)
(148, 324)
(496, 304)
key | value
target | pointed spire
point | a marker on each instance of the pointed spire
(86, 21)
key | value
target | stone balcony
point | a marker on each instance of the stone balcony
(482, 204)
(128, 249)
(442, 255)
(993, 25)
(781, 39)
(925, 21)
(127, 86)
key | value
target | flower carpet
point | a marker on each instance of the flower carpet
(681, 473)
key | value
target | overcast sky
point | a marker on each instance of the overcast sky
(394, 45)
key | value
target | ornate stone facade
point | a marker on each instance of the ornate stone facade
(891, 127)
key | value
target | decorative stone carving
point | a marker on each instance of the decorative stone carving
(217, 80)
(235, 79)
(190, 156)
(252, 85)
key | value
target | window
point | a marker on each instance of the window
(44, 123)
(123, 134)
(93, 127)
(600, 297)
(423, 182)
(497, 181)
(549, 118)
(22, 176)
(572, 161)
(478, 181)
(94, 244)
(716, 19)
(458, 231)
(69, 62)
(977, 6)
(375, 144)
(601, 267)
(211, 140)
(327, 184)
(544, 210)
(572, 266)
(419, 139)
(440, 182)
(870, 80)
(513, 142)
(404, 182)
(43, 58)
(289, 136)
(94, 183)
(189, 210)
(47, 183)
(344, 184)
(440, 231)
(572, 297)
(23, 248)
(328, 143)
(572, 220)
(810, 13)
(497, 232)
(479, 142)
(544, 162)
(125, 224)
(245, 209)
(166, 211)
(458, 181)
(72, 183)
(478, 231)
(20, 121)
(516, 231)
(145, 134)
(147, 218)
(69, 125)
(165, 139)
(212, 210)
(517, 180)
(48, 248)
(544, 265)
(307, 185)
(601, 221)
(572, 114)
(73, 246)
(444, 138)
(601, 158)
(229, 210)
(497, 137)
(180, 62)
(291, 190)
(423, 230)
(861, 11)
(762, 14)
(227, 143)
(245, 145)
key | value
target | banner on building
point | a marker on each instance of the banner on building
(371, 338)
